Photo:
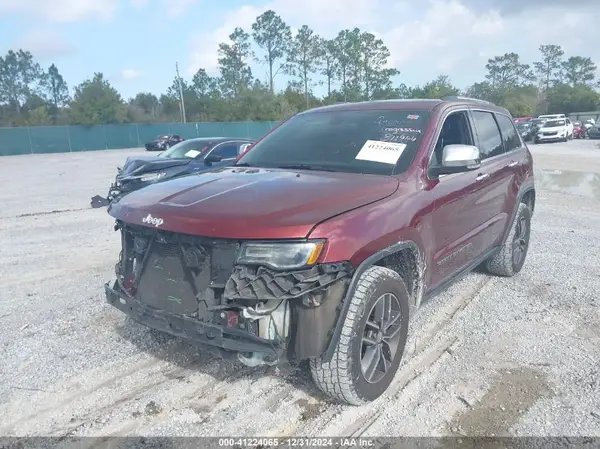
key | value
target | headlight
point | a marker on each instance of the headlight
(152, 177)
(281, 255)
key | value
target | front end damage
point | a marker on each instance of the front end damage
(192, 287)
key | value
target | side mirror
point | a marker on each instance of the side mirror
(459, 158)
(211, 158)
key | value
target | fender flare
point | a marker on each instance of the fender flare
(523, 190)
(346, 300)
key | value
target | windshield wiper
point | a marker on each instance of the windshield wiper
(243, 164)
(304, 167)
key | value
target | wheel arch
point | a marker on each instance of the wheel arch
(405, 258)
(526, 195)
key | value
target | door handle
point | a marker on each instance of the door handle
(482, 176)
(512, 164)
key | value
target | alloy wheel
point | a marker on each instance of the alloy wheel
(520, 241)
(381, 337)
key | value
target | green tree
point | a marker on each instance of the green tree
(437, 88)
(55, 90)
(18, 75)
(550, 69)
(273, 36)
(39, 117)
(565, 99)
(579, 70)
(348, 55)
(329, 65)
(236, 74)
(147, 102)
(304, 57)
(96, 102)
(374, 58)
(508, 71)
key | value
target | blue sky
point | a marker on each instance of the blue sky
(136, 43)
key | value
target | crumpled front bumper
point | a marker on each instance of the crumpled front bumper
(225, 338)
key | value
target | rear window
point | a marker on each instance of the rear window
(382, 142)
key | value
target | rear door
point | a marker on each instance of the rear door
(496, 176)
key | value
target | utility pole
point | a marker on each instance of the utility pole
(182, 103)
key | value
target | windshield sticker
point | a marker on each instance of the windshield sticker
(383, 152)
(402, 130)
(413, 117)
(192, 153)
(389, 137)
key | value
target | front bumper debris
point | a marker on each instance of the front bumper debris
(229, 339)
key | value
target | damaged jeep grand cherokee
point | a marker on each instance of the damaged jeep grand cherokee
(321, 241)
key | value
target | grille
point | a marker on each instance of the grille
(179, 269)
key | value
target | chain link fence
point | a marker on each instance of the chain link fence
(62, 139)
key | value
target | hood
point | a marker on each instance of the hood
(554, 129)
(251, 203)
(146, 164)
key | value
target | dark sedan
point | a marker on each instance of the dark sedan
(162, 142)
(185, 158)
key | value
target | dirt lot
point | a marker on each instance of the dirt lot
(494, 356)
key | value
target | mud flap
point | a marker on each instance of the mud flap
(98, 201)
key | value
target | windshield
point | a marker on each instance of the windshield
(381, 142)
(161, 137)
(192, 149)
(538, 121)
(523, 127)
(553, 123)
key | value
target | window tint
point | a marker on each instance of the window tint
(510, 136)
(187, 149)
(455, 131)
(490, 141)
(380, 142)
(226, 151)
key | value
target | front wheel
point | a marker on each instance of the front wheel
(372, 341)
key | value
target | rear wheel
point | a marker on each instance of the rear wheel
(372, 342)
(511, 257)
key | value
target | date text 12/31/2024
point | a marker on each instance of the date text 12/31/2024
(337, 442)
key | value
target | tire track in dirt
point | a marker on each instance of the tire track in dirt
(429, 346)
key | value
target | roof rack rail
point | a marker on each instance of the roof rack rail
(467, 99)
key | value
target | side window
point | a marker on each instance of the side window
(490, 140)
(227, 151)
(455, 131)
(511, 138)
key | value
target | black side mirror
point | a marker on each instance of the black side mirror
(212, 158)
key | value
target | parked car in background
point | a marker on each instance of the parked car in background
(594, 132)
(526, 131)
(162, 142)
(187, 157)
(519, 120)
(554, 130)
(321, 242)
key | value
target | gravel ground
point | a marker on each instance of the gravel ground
(491, 356)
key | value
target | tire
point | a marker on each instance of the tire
(504, 263)
(342, 378)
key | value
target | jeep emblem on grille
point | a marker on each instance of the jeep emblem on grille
(156, 221)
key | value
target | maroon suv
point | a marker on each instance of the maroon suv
(324, 238)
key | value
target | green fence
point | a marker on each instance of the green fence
(61, 139)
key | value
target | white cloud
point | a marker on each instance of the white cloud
(177, 8)
(131, 74)
(61, 10)
(44, 44)
(426, 37)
